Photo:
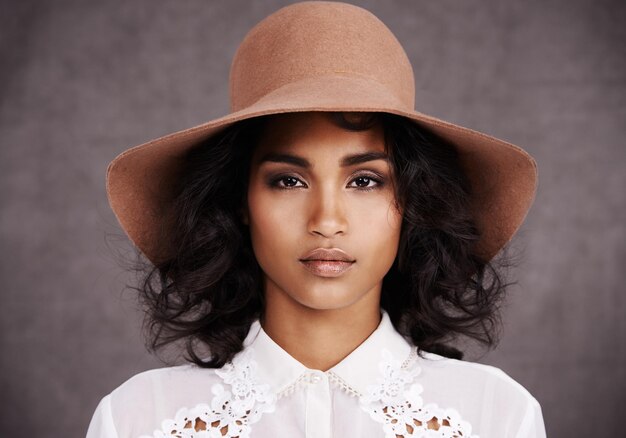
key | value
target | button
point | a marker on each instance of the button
(315, 378)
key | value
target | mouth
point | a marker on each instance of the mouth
(327, 268)
(327, 262)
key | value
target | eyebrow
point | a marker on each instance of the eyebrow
(348, 160)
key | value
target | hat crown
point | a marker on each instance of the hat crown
(314, 39)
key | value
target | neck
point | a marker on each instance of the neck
(319, 338)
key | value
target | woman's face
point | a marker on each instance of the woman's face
(316, 185)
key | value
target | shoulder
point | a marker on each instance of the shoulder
(477, 378)
(159, 379)
(180, 381)
(490, 398)
(139, 404)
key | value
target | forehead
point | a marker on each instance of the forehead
(313, 133)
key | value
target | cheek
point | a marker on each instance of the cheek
(379, 226)
(272, 226)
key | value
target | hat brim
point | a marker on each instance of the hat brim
(503, 177)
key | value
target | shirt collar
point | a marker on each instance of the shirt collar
(358, 370)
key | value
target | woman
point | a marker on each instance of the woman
(318, 248)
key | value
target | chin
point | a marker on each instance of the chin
(327, 298)
(316, 305)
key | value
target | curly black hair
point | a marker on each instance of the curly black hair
(209, 291)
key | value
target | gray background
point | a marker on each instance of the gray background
(83, 81)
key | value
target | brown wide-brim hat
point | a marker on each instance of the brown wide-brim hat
(321, 56)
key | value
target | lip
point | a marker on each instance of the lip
(327, 262)
(328, 254)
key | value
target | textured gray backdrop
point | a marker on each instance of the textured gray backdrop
(81, 81)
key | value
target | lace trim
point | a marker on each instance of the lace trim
(343, 385)
(353, 392)
(293, 387)
(402, 411)
(231, 411)
(412, 357)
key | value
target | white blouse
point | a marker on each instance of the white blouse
(381, 389)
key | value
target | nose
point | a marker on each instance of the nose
(327, 213)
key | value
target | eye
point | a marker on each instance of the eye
(289, 182)
(367, 182)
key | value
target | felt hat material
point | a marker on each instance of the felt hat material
(320, 56)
